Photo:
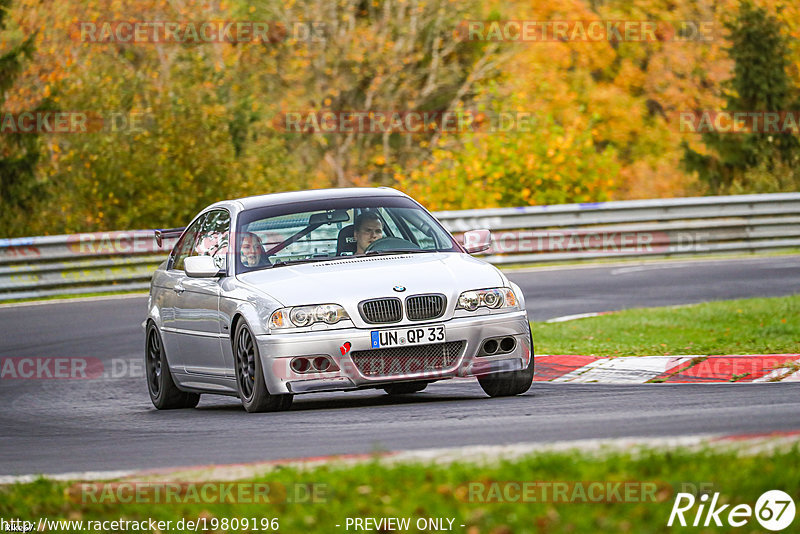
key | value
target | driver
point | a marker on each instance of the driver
(251, 251)
(367, 228)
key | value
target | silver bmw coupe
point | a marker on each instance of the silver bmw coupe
(271, 296)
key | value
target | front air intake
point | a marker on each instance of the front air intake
(408, 361)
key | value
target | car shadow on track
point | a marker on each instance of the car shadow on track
(379, 400)
(343, 401)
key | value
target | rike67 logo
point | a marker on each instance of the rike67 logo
(774, 510)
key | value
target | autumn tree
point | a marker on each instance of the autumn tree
(210, 108)
(757, 161)
(513, 159)
(173, 116)
(383, 56)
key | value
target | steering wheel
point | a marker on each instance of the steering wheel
(391, 243)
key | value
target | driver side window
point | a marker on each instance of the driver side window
(213, 238)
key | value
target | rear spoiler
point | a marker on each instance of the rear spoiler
(168, 233)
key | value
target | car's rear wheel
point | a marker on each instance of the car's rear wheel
(163, 391)
(509, 383)
(404, 388)
(250, 376)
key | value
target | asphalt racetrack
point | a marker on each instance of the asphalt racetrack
(53, 426)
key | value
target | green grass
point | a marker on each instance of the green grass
(746, 326)
(373, 489)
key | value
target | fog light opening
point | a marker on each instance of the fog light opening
(508, 344)
(490, 347)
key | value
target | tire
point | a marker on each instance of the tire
(250, 376)
(405, 388)
(163, 391)
(509, 383)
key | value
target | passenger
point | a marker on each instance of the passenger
(367, 229)
(251, 250)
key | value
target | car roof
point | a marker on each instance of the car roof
(289, 197)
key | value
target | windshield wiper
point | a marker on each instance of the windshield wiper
(408, 251)
(283, 263)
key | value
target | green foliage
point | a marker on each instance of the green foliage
(756, 162)
(19, 153)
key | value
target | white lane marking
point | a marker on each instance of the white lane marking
(787, 266)
(638, 268)
(679, 265)
(625, 370)
(71, 300)
(564, 318)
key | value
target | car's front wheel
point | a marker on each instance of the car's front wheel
(163, 391)
(509, 383)
(250, 376)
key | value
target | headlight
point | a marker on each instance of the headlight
(498, 297)
(300, 316)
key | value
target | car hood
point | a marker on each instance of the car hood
(354, 279)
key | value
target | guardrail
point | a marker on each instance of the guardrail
(117, 261)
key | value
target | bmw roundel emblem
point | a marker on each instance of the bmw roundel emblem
(399, 289)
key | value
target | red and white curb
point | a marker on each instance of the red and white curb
(668, 369)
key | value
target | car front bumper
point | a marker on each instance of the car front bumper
(277, 351)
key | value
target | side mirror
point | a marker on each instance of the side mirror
(477, 241)
(200, 267)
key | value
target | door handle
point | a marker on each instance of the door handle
(178, 289)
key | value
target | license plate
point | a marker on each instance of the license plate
(401, 337)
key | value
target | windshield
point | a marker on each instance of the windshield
(329, 229)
